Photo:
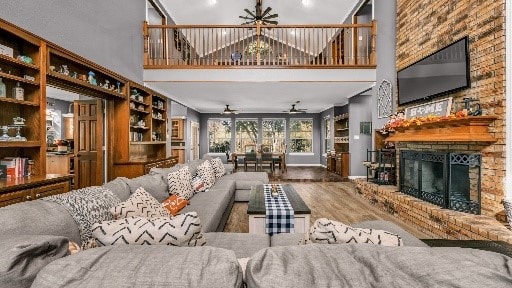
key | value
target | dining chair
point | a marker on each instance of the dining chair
(266, 157)
(250, 157)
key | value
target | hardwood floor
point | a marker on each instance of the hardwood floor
(300, 174)
(333, 200)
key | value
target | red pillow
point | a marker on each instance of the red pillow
(174, 204)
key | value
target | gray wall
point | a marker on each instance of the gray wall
(385, 13)
(190, 115)
(290, 159)
(358, 112)
(108, 33)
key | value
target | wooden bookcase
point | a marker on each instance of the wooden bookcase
(177, 129)
(140, 145)
(32, 108)
(341, 145)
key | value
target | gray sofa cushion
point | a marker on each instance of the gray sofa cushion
(38, 217)
(244, 180)
(145, 266)
(22, 256)
(165, 171)
(365, 265)
(286, 239)
(244, 244)
(119, 187)
(156, 185)
(407, 238)
(211, 205)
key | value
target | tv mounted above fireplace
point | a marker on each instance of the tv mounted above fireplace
(442, 72)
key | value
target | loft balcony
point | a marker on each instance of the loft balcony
(280, 46)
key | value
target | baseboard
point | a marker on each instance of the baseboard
(357, 177)
(304, 165)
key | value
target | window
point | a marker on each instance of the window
(246, 133)
(301, 135)
(274, 134)
(219, 135)
(327, 142)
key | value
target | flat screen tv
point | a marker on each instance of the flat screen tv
(440, 73)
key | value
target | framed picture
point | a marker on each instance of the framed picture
(441, 107)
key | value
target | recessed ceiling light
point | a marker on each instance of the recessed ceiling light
(306, 2)
(213, 2)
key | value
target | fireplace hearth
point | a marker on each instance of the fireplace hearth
(449, 180)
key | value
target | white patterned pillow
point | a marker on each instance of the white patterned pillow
(218, 167)
(180, 183)
(332, 232)
(182, 230)
(198, 184)
(140, 203)
(205, 171)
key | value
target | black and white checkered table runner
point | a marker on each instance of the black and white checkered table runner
(280, 215)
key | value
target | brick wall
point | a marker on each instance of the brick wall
(426, 26)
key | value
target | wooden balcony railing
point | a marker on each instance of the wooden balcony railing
(225, 46)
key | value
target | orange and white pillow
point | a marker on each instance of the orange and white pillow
(174, 204)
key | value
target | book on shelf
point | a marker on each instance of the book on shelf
(15, 166)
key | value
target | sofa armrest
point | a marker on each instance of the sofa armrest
(23, 256)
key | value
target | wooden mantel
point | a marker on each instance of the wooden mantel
(465, 129)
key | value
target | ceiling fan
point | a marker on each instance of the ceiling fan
(259, 15)
(294, 110)
(227, 110)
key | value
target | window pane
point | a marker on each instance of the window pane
(301, 135)
(246, 133)
(219, 135)
(274, 134)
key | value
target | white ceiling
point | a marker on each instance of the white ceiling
(266, 94)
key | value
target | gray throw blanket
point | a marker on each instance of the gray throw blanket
(87, 206)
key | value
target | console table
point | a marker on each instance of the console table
(20, 189)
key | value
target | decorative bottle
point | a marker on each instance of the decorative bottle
(18, 92)
(3, 91)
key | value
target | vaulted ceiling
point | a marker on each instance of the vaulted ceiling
(266, 90)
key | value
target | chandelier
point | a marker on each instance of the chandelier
(253, 49)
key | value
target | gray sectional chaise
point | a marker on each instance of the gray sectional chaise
(32, 236)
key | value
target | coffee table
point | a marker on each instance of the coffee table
(257, 211)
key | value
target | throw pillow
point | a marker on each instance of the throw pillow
(174, 204)
(198, 184)
(205, 170)
(182, 230)
(333, 232)
(218, 167)
(141, 203)
(180, 183)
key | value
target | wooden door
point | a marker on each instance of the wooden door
(88, 136)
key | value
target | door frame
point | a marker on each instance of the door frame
(194, 153)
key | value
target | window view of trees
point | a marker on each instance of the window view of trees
(301, 135)
(274, 134)
(219, 135)
(246, 133)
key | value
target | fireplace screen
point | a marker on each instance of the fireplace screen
(449, 180)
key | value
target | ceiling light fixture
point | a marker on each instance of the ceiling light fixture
(213, 2)
(306, 2)
(227, 110)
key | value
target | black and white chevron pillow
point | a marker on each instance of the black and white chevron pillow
(140, 203)
(218, 167)
(182, 230)
(205, 171)
(180, 183)
(332, 232)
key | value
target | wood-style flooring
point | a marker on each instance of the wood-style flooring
(333, 200)
(299, 174)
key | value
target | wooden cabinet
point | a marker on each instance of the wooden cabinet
(177, 129)
(343, 164)
(59, 164)
(341, 145)
(179, 153)
(32, 188)
(136, 169)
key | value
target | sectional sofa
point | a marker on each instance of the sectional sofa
(34, 250)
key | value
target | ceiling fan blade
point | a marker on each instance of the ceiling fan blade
(270, 22)
(245, 17)
(249, 12)
(270, 16)
(258, 10)
(266, 11)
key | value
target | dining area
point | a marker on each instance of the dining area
(260, 157)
